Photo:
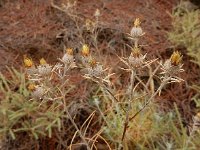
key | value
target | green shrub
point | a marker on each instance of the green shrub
(186, 31)
(20, 115)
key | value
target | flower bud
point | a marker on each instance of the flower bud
(27, 62)
(69, 51)
(176, 58)
(31, 87)
(68, 57)
(94, 69)
(136, 31)
(85, 50)
(43, 61)
(137, 22)
(44, 68)
(173, 65)
(136, 59)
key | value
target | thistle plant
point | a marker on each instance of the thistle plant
(42, 85)
(48, 86)
(172, 67)
(136, 32)
(42, 76)
(20, 114)
(136, 63)
(96, 72)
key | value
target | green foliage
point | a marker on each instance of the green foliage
(20, 115)
(186, 31)
(152, 129)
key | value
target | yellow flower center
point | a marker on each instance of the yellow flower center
(137, 22)
(69, 51)
(43, 61)
(27, 62)
(85, 50)
(31, 87)
(176, 58)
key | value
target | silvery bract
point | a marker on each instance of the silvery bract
(44, 70)
(38, 92)
(136, 32)
(170, 69)
(136, 61)
(96, 71)
(31, 71)
(67, 59)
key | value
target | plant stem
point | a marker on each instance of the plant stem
(72, 121)
(79, 132)
(147, 103)
(113, 96)
(129, 105)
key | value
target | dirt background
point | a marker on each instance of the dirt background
(31, 26)
(35, 28)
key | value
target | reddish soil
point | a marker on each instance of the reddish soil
(31, 26)
(120, 14)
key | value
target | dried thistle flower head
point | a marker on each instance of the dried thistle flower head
(97, 71)
(94, 69)
(136, 59)
(68, 57)
(44, 68)
(28, 62)
(69, 51)
(36, 91)
(137, 22)
(136, 31)
(31, 87)
(85, 50)
(30, 67)
(176, 58)
(173, 65)
(43, 61)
